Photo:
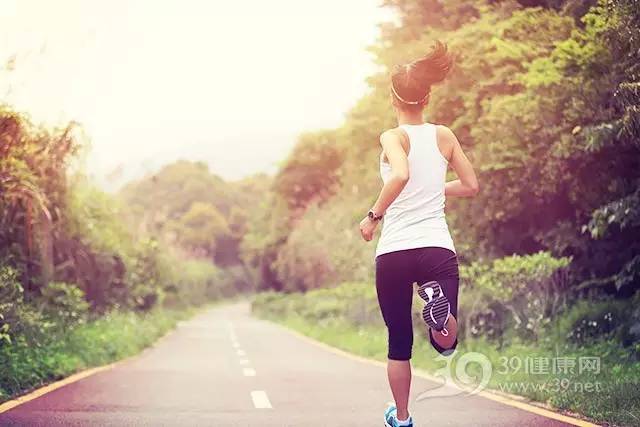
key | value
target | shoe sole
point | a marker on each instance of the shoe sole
(433, 286)
(437, 308)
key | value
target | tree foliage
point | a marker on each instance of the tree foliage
(185, 205)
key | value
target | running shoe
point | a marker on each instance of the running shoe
(391, 420)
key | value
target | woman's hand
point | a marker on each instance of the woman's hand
(367, 228)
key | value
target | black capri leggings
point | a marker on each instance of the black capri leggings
(396, 272)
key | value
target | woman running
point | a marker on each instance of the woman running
(415, 245)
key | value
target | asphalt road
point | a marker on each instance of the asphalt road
(226, 368)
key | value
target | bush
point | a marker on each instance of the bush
(514, 296)
(229, 281)
(325, 246)
(587, 322)
(147, 275)
(63, 302)
(10, 297)
(192, 284)
(354, 303)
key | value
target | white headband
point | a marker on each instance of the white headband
(393, 89)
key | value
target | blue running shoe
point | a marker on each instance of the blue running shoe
(390, 419)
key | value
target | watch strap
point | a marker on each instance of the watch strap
(372, 215)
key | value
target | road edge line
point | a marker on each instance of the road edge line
(504, 398)
(10, 404)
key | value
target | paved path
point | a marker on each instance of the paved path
(226, 368)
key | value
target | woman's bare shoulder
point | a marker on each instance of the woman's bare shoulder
(396, 133)
(444, 132)
(446, 140)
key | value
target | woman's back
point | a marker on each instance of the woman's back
(416, 217)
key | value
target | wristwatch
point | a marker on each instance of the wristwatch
(373, 217)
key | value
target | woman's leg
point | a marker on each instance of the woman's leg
(399, 374)
(394, 285)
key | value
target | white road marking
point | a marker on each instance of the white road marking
(241, 353)
(244, 361)
(260, 399)
(249, 372)
(235, 344)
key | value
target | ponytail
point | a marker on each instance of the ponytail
(411, 83)
(433, 67)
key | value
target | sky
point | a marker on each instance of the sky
(231, 83)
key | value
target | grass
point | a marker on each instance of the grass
(347, 317)
(29, 363)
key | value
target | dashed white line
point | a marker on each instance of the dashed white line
(260, 399)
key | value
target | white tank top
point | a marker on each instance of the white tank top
(416, 218)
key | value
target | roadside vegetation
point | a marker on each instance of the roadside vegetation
(88, 277)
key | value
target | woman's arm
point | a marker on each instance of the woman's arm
(467, 183)
(396, 154)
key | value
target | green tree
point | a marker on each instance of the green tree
(201, 229)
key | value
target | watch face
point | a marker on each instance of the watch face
(371, 215)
